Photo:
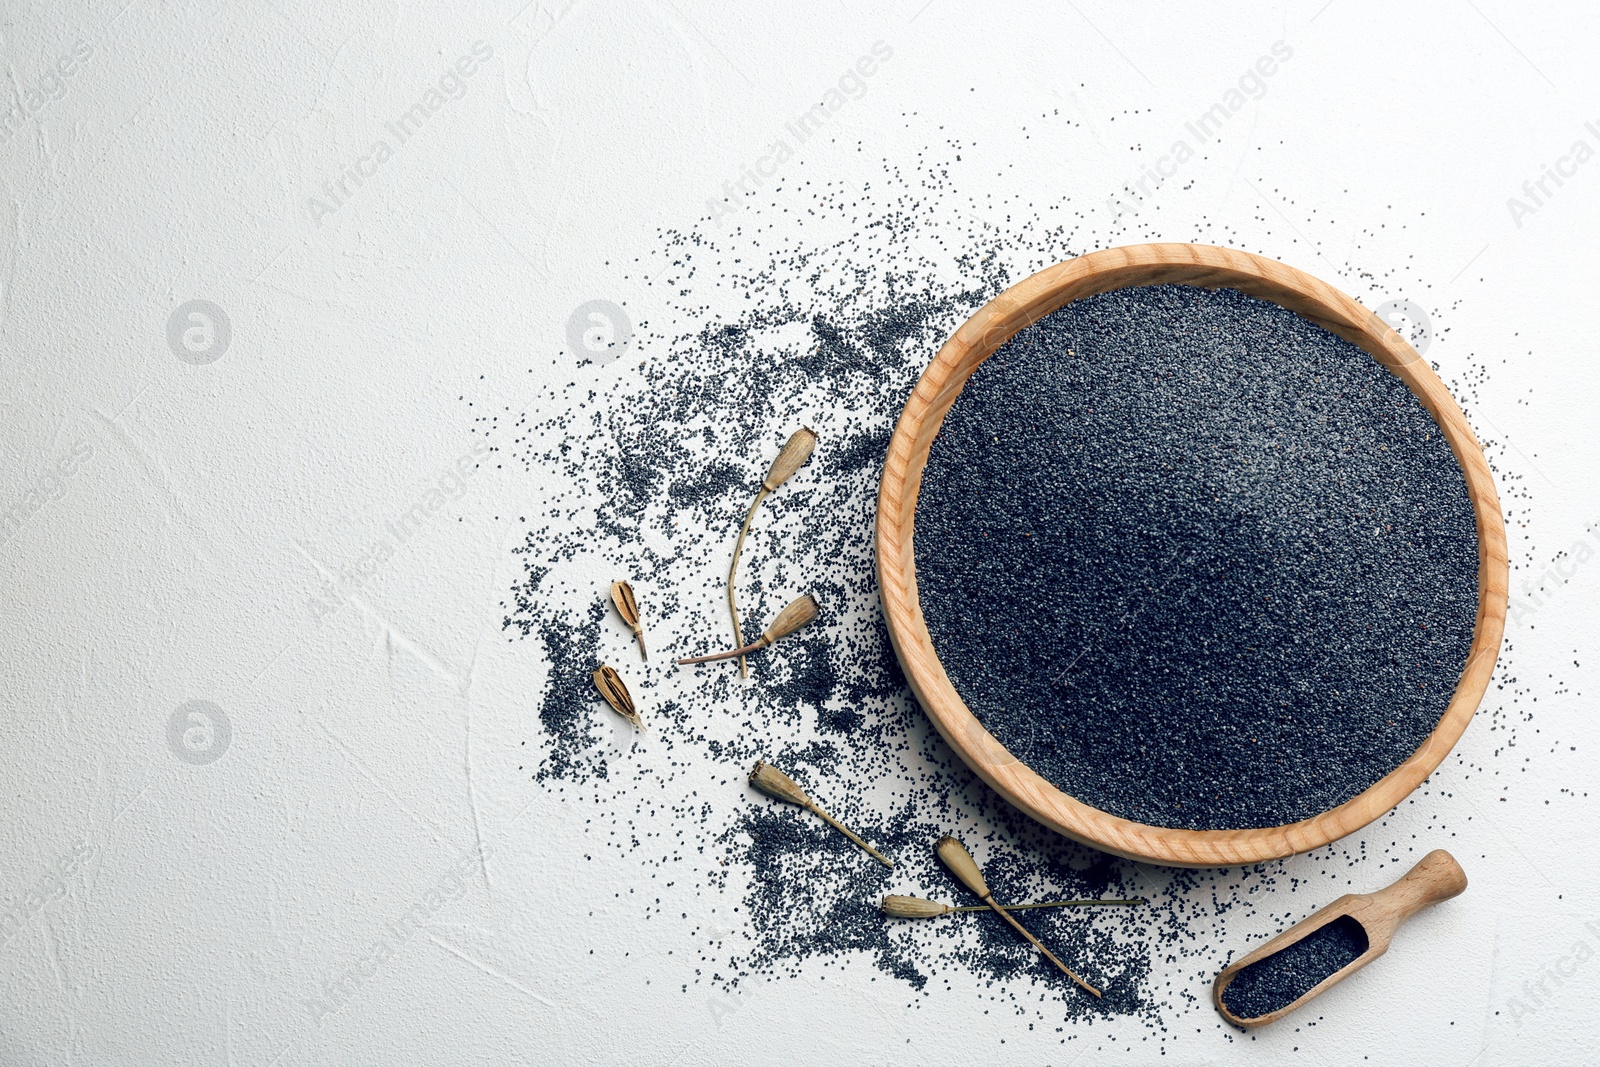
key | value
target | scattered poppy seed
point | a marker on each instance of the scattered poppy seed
(822, 301)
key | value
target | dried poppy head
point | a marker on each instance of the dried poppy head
(773, 782)
(797, 614)
(962, 865)
(791, 458)
(913, 907)
(628, 607)
(609, 682)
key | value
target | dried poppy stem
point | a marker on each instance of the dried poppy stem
(733, 569)
(1057, 904)
(790, 619)
(609, 682)
(628, 608)
(773, 782)
(963, 866)
(795, 452)
(917, 908)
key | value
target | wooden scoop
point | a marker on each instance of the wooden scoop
(1438, 877)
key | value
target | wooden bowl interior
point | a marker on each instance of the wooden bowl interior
(936, 391)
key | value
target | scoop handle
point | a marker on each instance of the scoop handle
(1438, 877)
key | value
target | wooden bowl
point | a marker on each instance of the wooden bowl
(937, 389)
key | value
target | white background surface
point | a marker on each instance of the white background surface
(165, 911)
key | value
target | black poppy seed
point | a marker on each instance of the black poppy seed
(1196, 560)
(567, 711)
(821, 302)
(1288, 974)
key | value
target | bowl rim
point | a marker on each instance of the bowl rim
(935, 392)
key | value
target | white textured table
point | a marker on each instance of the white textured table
(262, 273)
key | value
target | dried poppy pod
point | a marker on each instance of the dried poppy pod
(790, 458)
(964, 867)
(609, 682)
(773, 782)
(914, 907)
(790, 619)
(917, 908)
(628, 608)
